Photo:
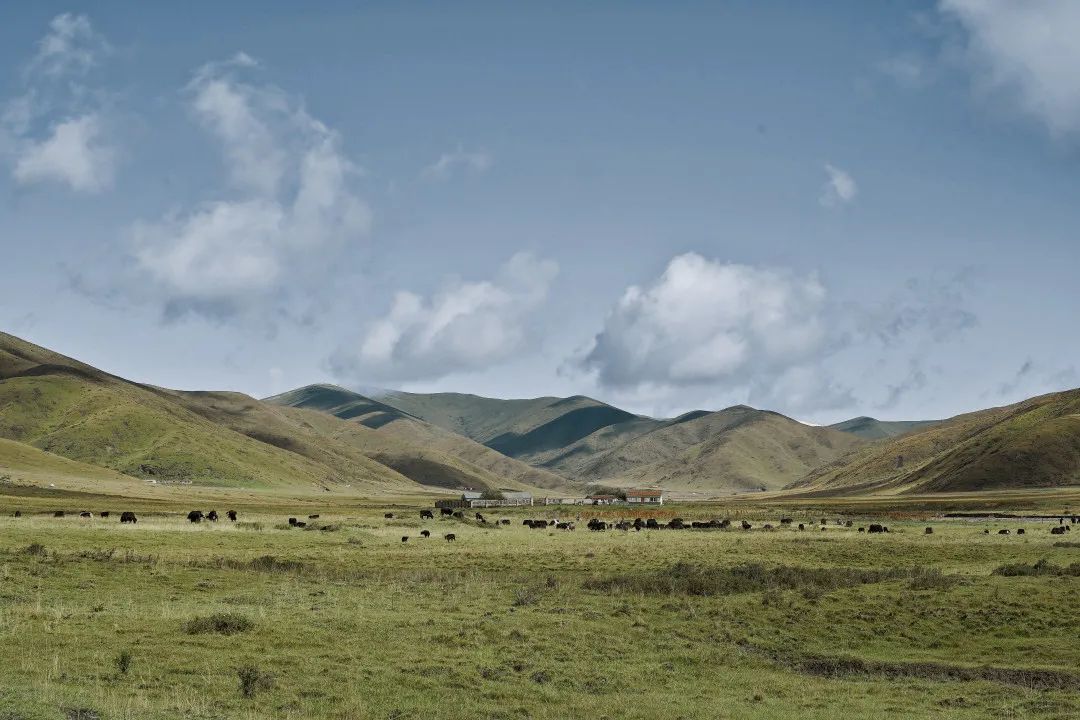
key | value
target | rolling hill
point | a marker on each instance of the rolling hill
(391, 430)
(869, 428)
(587, 441)
(69, 409)
(1031, 444)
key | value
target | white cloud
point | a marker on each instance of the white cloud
(468, 325)
(1029, 50)
(74, 153)
(55, 131)
(290, 205)
(457, 161)
(840, 188)
(705, 322)
(70, 47)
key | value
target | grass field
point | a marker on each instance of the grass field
(343, 620)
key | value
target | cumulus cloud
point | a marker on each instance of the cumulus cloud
(56, 129)
(457, 161)
(707, 332)
(840, 188)
(466, 326)
(704, 322)
(1027, 50)
(288, 207)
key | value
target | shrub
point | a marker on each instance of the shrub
(123, 662)
(223, 623)
(933, 579)
(524, 596)
(253, 680)
(1041, 567)
(689, 579)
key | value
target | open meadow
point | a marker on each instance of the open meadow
(341, 619)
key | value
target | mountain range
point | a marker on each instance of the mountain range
(72, 425)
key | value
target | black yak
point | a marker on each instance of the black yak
(231, 515)
(389, 516)
(404, 538)
(446, 511)
(929, 531)
(292, 521)
(128, 517)
(427, 515)
(450, 537)
(86, 514)
(58, 513)
(195, 516)
(746, 525)
(212, 516)
(104, 514)
(425, 533)
(313, 517)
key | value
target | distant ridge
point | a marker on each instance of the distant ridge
(869, 428)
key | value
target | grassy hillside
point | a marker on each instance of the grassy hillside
(869, 428)
(219, 439)
(739, 448)
(589, 441)
(1032, 444)
(416, 442)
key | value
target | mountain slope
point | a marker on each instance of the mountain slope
(589, 441)
(75, 411)
(391, 431)
(1032, 444)
(739, 448)
(869, 428)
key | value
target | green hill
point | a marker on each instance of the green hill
(1032, 444)
(736, 449)
(869, 428)
(405, 441)
(220, 439)
(585, 440)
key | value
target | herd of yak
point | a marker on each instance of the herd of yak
(594, 524)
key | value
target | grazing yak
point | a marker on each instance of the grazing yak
(404, 538)
(389, 516)
(862, 529)
(676, 524)
(427, 515)
(785, 521)
(128, 517)
(1020, 531)
(596, 525)
(928, 531)
(459, 515)
(445, 511)
(231, 515)
(480, 517)
(86, 514)
(293, 521)
(504, 521)
(1003, 532)
(1059, 530)
(195, 516)
(746, 525)
(450, 537)
(18, 513)
(313, 517)
(803, 527)
(212, 516)
(104, 514)
(877, 528)
(425, 533)
(58, 513)
(301, 524)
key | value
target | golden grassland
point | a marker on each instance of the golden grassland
(343, 620)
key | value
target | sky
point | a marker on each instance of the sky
(825, 209)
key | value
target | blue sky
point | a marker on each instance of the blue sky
(828, 209)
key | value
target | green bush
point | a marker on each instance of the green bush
(222, 623)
